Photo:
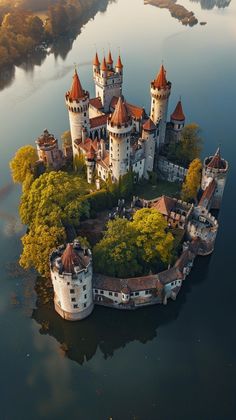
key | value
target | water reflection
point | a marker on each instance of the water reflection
(80, 340)
(60, 47)
(210, 4)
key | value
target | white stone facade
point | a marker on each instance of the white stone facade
(73, 297)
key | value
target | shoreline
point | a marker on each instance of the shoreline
(177, 11)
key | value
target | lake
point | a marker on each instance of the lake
(165, 363)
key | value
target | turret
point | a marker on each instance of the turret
(149, 138)
(77, 101)
(90, 164)
(48, 151)
(119, 66)
(160, 92)
(177, 120)
(119, 127)
(71, 274)
(96, 64)
(215, 168)
(109, 61)
(108, 82)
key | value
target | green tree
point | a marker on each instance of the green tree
(192, 182)
(21, 164)
(116, 254)
(153, 240)
(38, 243)
(52, 199)
(133, 248)
(188, 148)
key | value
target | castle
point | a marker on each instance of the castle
(77, 288)
(114, 137)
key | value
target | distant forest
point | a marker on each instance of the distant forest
(22, 29)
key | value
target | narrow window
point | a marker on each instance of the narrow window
(72, 291)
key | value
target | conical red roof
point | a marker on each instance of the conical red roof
(120, 115)
(160, 81)
(96, 61)
(109, 58)
(104, 65)
(149, 125)
(178, 113)
(216, 162)
(70, 259)
(76, 91)
(119, 64)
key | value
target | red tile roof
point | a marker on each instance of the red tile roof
(149, 125)
(109, 58)
(216, 162)
(76, 91)
(105, 161)
(86, 145)
(96, 103)
(178, 114)
(164, 205)
(99, 121)
(119, 64)
(161, 81)
(120, 115)
(96, 61)
(208, 194)
(133, 110)
(70, 259)
(104, 65)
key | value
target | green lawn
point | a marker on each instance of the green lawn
(149, 191)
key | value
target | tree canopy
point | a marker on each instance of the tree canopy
(48, 205)
(21, 164)
(192, 182)
(38, 243)
(188, 148)
(53, 199)
(133, 248)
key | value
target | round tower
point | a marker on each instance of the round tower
(160, 92)
(90, 164)
(149, 139)
(119, 127)
(48, 151)
(77, 101)
(177, 121)
(71, 274)
(215, 167)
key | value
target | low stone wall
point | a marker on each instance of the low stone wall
(169, 171)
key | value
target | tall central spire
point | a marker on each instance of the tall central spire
(160, 81)
(76, 91)
(120, 115)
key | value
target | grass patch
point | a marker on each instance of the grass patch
(149, 191)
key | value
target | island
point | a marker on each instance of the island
(176, 10)
(118, 214)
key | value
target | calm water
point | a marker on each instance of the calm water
(165, 363)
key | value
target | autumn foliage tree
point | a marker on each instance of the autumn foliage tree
(22, 162)
(192, 182)
(133, 248)
(48, 205)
